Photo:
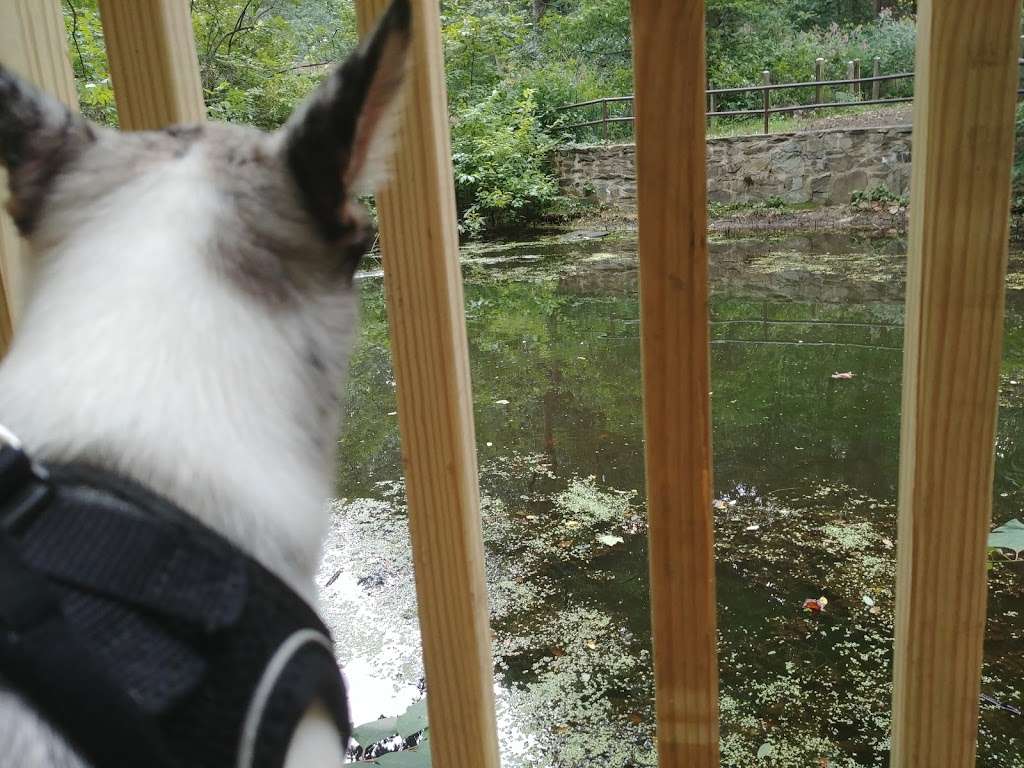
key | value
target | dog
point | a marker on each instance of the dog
(189, 320)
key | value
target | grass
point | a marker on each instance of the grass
(725, 127)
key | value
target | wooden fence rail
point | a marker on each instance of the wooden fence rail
(714, 96)
(963, 143)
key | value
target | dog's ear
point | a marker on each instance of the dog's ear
(338, 143)
(38, 136)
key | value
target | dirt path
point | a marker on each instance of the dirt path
(898, 114)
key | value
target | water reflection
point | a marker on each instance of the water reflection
(805, 480)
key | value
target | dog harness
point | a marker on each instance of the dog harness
(143, 636)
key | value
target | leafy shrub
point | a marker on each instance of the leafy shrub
(89, 62)
(500, 154)
(877, 194)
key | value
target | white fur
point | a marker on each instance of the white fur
(133, 346)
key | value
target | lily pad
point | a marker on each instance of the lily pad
(413, 720)
(1009, 536)
(375, 731)
(417, 757)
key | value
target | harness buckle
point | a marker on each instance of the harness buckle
(24, 485)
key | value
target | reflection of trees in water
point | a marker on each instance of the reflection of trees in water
(564, 351)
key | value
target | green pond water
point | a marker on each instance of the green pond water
(805, 482)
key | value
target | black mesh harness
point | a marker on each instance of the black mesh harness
(146, 638)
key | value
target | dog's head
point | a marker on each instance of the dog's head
(287, 219)
(191, 308)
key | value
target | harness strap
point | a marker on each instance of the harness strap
(146, 563)
(145, 637)
(41, 655)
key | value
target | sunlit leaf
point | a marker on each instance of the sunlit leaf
(1008, 536)
(375, 731)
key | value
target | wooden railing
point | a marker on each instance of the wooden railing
(963, 147)
(858, 87)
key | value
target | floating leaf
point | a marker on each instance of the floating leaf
(766, 750)
(844, 376)
(375, 731)
(413, 720)
(752, 528)
(868, 601)
(1009, 536)
(609, 540)
(417, 757)
(815, 606)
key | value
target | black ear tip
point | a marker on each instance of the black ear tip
(398, 17)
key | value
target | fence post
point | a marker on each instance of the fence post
(857, 91)
(671, 174)
(876, 85)
(423, 287)
(819, 71)
(850, 76)
(767, 76)
(965, 97)
(34, 44)
(604, 119)
(712, 121)
(153, 63)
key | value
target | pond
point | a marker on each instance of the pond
(805, 483)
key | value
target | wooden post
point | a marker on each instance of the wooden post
(963, 148)
(420, 242)
(668, 56)
(850, 72)
(819, 71)
(153, 63)
(33, 43)
(856, 76)
(766, 76)
(712, 106)
(876, 85)
(604, 119)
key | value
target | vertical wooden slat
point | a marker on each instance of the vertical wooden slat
(153, 63)
(33, 43)
(963, 145)
(668, 55)
(435, 410)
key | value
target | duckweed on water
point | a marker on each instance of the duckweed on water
(805, 471)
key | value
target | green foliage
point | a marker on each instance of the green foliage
(1018, 162)
(258, 58)
(510, 66)
(877, 194)
(500, 155)
(89, 61)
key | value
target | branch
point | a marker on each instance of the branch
(302, 66)
(238, 25)
(74, 37)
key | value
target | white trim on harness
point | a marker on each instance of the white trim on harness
(268, 681)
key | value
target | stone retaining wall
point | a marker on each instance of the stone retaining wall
(822, 167)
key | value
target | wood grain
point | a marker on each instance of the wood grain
(963, 146)
(153, 63)
(435, 410)
(668, 55)
(33, 43)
